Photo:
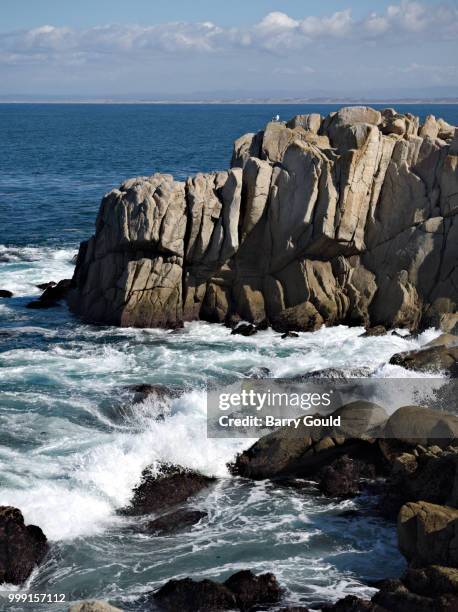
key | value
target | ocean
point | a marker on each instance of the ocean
(72, 445)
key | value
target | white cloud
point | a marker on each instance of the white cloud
(276, 33)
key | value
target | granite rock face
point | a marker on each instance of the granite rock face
(349, 219)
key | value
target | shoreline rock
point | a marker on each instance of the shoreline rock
(163, 488)
(242, 591)
(22, 547)
(346, 219)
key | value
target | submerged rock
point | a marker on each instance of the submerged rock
(242, 591)
(244, 329)
(164, 488)
(347, 219)
(4, 293)
(156, 392)
(22, 547)
(173, 522)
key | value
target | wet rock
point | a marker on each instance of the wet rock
(290, 334)
(47, 285)
(251, 590)
(378, 330)
(244, 329)
(447, 340)
(434, 359)
(4, 293)
(190, 595)
(22, 547)
(342, 478)
(52, 295)
(155, 392)
(164, 488)
(173, 522)
(242, 591)
(93, 606)
(289, 453)
(427, 533)
(338, 373)
(351, 604)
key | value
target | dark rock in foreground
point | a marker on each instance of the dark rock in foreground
(4, 293)
(342, 478)
(242, 591)
(173, 522)
(170, 486)
(22, 547)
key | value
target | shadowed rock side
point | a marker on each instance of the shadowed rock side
(347, 219)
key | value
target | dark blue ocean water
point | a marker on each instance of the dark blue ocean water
(57, 160)
(72, 445)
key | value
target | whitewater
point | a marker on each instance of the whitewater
(73, 445)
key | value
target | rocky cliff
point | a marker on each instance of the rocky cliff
(349, 218)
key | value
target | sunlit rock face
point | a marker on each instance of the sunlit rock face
(349, 219)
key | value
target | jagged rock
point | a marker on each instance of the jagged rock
(339, 373)
(290, 453)
(22, 547)
(163, 488)
(433, 359)
(52, 295)
(173, 522)
(350, 219)
(342, 478)
(4, 293)
(93, 606)
(428, 533)
(242, 591)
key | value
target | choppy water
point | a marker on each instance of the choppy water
(71, 445)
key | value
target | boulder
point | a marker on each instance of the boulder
(173, 522)
(378, 330)
(244, 329)
(418, 425)
(156, 392)
(252, 591)
(290, 453)
(433, 359)
(22, 547)
(189, 595)
(93, 606)
(165, 487)
(428, 533)
(4, 293)
(351, 603)
(242, 591)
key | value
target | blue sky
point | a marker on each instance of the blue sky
(198, 48)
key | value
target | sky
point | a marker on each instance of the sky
(190, 49)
